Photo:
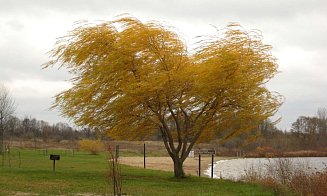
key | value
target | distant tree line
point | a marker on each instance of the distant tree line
(311, 132)
(308, 133)
(31, 128)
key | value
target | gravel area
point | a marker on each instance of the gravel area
(191, 165)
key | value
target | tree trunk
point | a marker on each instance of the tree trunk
(179, 154)
(178, 168)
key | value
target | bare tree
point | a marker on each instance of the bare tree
(322, 121)
(7, 108)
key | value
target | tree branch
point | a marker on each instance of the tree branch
(165, 128)
(177, 126)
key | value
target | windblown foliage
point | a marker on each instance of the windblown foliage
(133, 78)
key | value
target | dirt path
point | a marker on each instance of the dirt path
(191, 165)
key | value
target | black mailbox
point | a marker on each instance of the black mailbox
(54, 157)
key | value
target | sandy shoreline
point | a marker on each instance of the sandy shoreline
(191, 165)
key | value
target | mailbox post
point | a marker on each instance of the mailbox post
(54, 158)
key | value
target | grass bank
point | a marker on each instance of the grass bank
(81, 173)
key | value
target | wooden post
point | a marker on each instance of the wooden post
(199, 163)
(20, 160)
(8, 151)
(144, 155)
(117, 152)
(212, 166)
(3, 159)
(114, 173)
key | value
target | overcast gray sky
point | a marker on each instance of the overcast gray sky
(297, 29)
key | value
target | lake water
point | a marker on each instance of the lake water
(234, 169)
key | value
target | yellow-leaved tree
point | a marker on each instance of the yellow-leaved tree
(92, 146)
(133, 79)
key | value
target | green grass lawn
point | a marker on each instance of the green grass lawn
(84, 173)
